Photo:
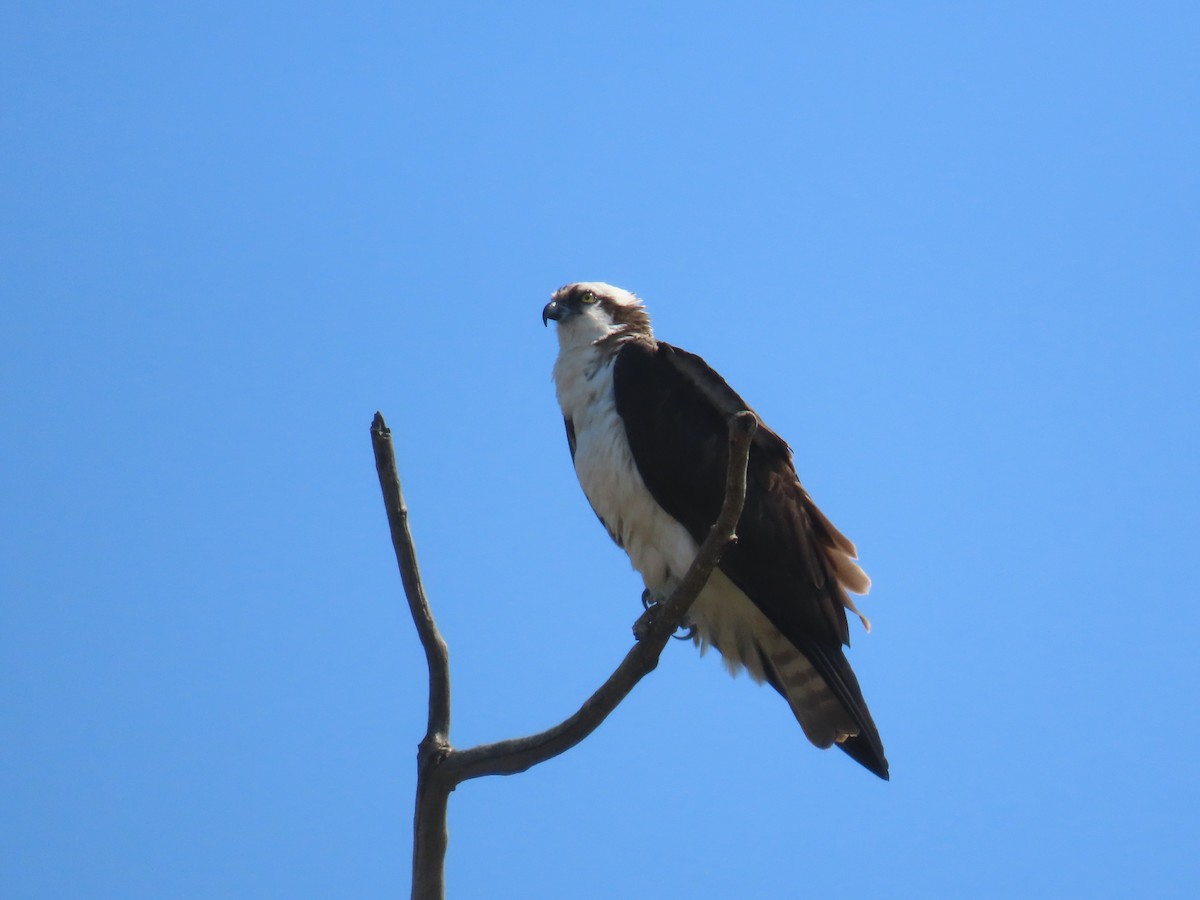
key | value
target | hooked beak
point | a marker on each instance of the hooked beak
(551, 311)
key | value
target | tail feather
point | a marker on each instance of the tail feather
(826, 715)
(824, 720)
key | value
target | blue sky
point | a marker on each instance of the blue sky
(949, 252)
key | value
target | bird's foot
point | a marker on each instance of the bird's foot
(651, 601)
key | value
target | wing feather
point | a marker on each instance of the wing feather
(792, 563)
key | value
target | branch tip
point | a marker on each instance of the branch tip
(743, 422)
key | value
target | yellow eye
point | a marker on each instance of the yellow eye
(587, 297)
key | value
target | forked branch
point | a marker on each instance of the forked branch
(440, 768)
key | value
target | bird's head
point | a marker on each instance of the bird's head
(590, 311)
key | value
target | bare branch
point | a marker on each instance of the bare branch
(430, 833)
(512, 756)
(440, 768)
(437, 656)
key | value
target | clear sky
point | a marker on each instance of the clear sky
(950, 251)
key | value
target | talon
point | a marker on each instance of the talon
(685, 633)
(651, 600)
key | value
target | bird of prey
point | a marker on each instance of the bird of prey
(647, 426)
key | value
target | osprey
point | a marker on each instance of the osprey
(647, 428)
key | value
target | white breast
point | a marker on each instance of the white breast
(658, 546)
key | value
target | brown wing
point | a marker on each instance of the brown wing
(788, 556)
